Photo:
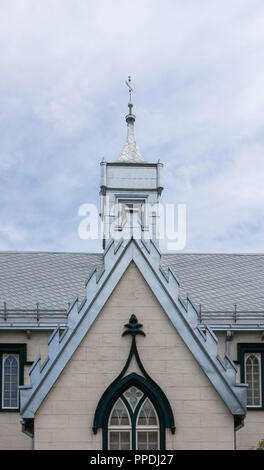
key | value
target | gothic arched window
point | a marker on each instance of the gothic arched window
(10, 381)
(119, 427)
(253, 378)
(133, 423)
(133, 412)
(147, 427)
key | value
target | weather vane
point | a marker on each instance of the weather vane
(130, 104)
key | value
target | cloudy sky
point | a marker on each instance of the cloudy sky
(198, 72)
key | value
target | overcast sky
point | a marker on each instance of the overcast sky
(198, 72)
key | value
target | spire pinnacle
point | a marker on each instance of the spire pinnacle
(130, 151)
(130, 104)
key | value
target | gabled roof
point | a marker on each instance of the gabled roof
(52, 279)
(217, 281)
(164, 285)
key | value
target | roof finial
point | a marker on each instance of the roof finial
(130, 151)
(130, 104)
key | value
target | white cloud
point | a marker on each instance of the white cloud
(197, 70)
(12, 233)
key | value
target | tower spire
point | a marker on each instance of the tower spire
(130, 104)
(130, 151)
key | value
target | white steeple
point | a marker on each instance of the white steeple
(130, 188)
(130, 152)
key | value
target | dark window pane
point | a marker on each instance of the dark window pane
(10, 382)
(253, 379)
(119, 440)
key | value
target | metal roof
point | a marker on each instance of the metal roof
(51, 279)
(217, 281)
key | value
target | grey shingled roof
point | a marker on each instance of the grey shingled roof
(217, 281)
(52, 279)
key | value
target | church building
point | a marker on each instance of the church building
(131, 348)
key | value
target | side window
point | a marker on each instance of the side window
(12, 361)
(251, 360)
(253, 378)
(10, 381)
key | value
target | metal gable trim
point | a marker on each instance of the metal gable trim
(117, 258)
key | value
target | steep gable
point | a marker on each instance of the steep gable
(65, 418)
(117, 258)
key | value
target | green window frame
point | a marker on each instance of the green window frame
(122, 387)
(131, 427)
(148, 389)
(18, 352)
(252, 354)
